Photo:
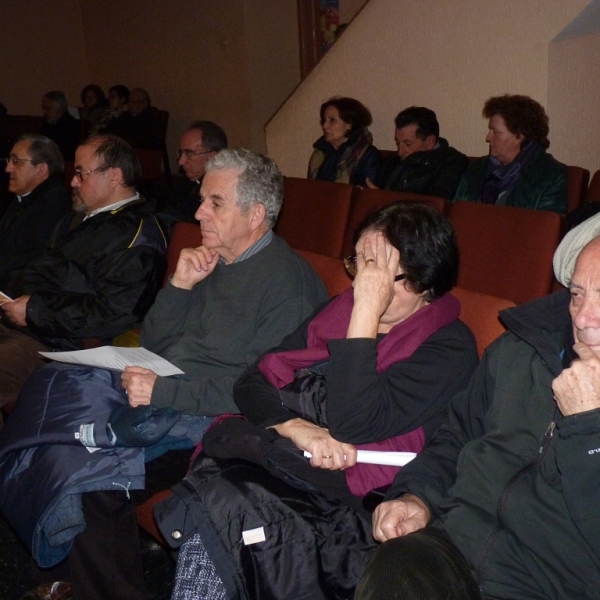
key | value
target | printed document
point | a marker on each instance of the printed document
(112, 357)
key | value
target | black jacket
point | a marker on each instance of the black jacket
(27, 225)
(96, 279)
(66, 133)
(512, 481)
(434, 172)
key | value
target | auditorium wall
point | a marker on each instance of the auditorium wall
(448, 55)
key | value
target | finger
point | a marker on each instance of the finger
(394, 260)
(583, 351)
(134, 369)
(381, 250)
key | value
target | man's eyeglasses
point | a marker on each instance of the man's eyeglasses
(350, 266)
(79, 173)
(15, 160)
(189, 154)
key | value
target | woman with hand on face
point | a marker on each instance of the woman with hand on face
(374, 369)
(518, 170)
(345, 152)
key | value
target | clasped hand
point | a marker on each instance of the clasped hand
(577, 389)
(194, 265)
(395, 518)
(138, 384)
(16, 310)
(327, 453)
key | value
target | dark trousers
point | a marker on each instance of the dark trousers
(105, 561)
(19, 358)
(110, 538)
(424, 565)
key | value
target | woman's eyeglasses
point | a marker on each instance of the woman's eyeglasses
(350, 266)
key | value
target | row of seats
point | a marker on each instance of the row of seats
(505, 251)
(153, 162)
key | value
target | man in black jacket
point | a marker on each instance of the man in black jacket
(424, 164)
(35, 178)
(98, 276)
(504, 504)
(60, 126)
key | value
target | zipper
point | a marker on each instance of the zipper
(542, 451)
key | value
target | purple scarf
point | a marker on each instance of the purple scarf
(399, 344)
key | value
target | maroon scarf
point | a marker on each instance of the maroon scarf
(399, 344)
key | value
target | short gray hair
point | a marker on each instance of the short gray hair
(260, 180)
(44, 150)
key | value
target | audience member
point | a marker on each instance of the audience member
(503, 502)
(141, 127)
(229, 301)
(93, 107)
(60, 126)
(375, 369)
(345, 153)
(118, 95)
(425, 163)
(518, 170)
(199, 143)
(35, 170)
(99, 274)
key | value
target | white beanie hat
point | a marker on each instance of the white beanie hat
(568, 250)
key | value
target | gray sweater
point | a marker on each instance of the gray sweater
(215, 331)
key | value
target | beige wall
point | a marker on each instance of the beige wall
(574, 101)
(450, 55)
(273, 63)
(41, 49)
(349, 8)
(231, 61)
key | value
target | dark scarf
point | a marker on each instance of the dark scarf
(504, 178)
(358, 143)
(399, 344)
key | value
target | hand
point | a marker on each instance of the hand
(16, 310)
(138, 384)
(194, 265)
(577, 389)
(327, 453)
(377, 264)
(399, 517)
(370, 184)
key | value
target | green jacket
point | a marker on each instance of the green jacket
(511, 481)
(543, 184)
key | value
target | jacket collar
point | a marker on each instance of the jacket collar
(543, 324)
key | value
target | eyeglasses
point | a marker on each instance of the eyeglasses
(79, 173)
(350, 266)
(15, 160)
(189, 154)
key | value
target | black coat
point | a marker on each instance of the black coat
(96, 279)
(27, 226)
(434, 172)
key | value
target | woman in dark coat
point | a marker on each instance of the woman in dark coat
(345, 152)
(374, 369)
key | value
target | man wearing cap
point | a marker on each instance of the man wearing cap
(504, 502)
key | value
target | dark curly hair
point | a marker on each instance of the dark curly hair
(100, 97)
(426, 241)
(522, 115)
(351, 111)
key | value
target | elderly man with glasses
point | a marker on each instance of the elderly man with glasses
(199, 143)
(39, 200)
(99, 273)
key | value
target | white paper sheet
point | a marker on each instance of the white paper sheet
(112, 357)
(377, 457)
